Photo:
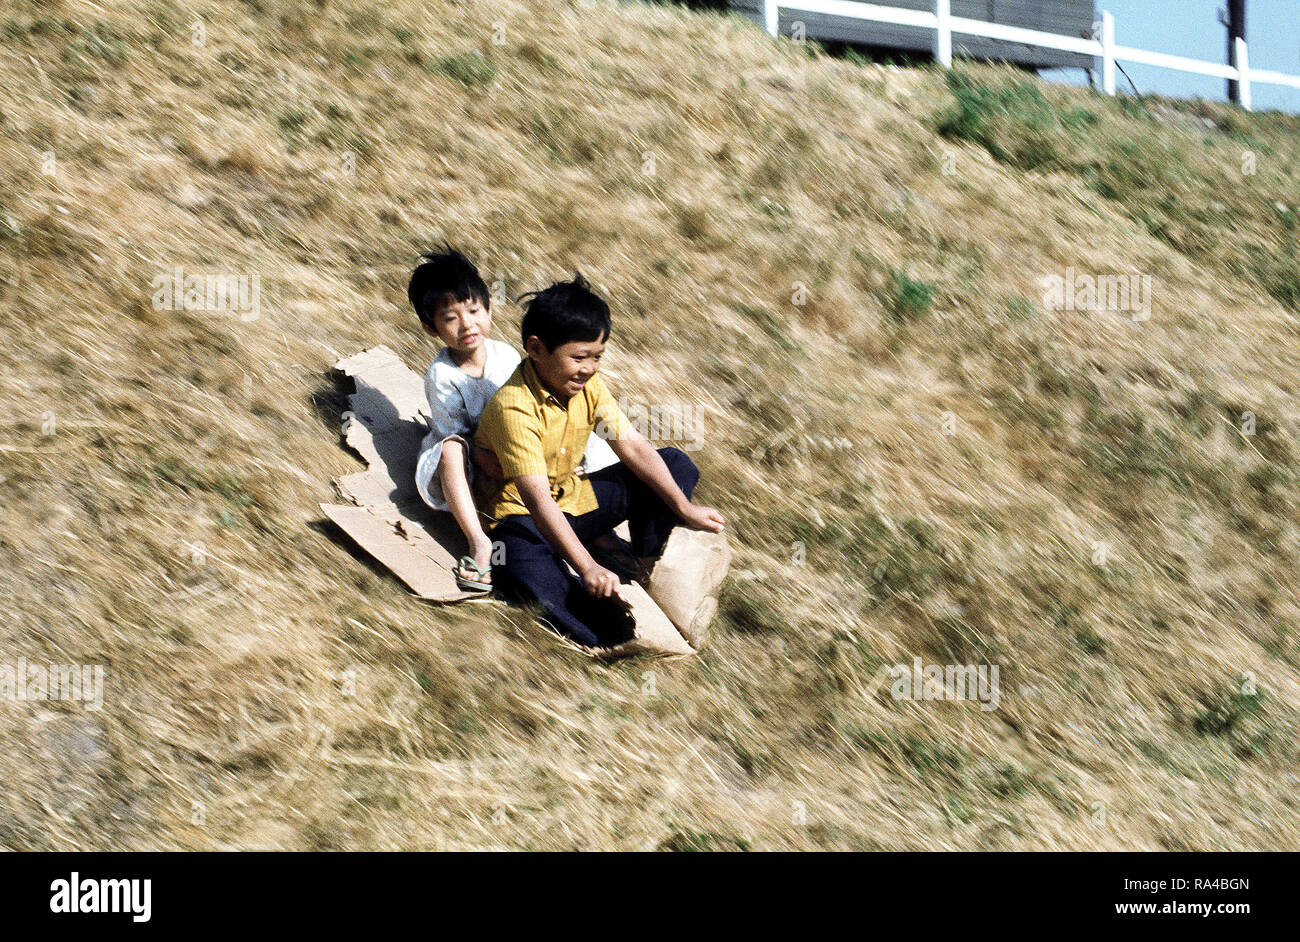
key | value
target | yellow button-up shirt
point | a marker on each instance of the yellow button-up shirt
(532, 432)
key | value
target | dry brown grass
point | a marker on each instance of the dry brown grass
(228, 721)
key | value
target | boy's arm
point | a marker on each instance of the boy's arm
(643, 460)
(535, 492)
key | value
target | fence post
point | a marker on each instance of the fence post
(943, 35)
(769, 16)
(1243, 74)
(1107, 52)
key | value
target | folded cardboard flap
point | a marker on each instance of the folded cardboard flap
(386, 424)
(686, 578)
(653, 633)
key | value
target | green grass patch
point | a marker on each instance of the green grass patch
(1015, 123)
(909, 299)
(688, 841)
(470, 69)
(1229, 713)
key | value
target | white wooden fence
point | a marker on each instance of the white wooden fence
(1103, 46)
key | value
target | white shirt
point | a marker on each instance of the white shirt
(456, 402)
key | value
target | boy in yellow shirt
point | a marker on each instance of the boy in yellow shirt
(537, 425)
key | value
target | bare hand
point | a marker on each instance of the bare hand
(702, 518)
(599, 581)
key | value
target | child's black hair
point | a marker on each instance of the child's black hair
(566, 311)
(445, 277)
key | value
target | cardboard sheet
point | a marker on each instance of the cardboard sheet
(386, 424)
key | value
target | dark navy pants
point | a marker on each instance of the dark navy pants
(534, 570)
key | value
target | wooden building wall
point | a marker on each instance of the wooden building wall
(1066, 17)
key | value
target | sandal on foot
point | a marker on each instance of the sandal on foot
(467, 584)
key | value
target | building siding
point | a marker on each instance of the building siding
(1066, 17)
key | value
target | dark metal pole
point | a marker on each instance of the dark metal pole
(1235, 21)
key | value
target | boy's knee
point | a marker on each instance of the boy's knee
(680, 465)
(518, 550)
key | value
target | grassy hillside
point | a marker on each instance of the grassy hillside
(841, 264)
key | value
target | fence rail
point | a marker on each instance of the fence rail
(1104, 47)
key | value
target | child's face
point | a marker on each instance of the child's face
(566, 369)
(463, 325)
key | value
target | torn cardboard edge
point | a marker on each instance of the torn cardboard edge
(386, 424)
